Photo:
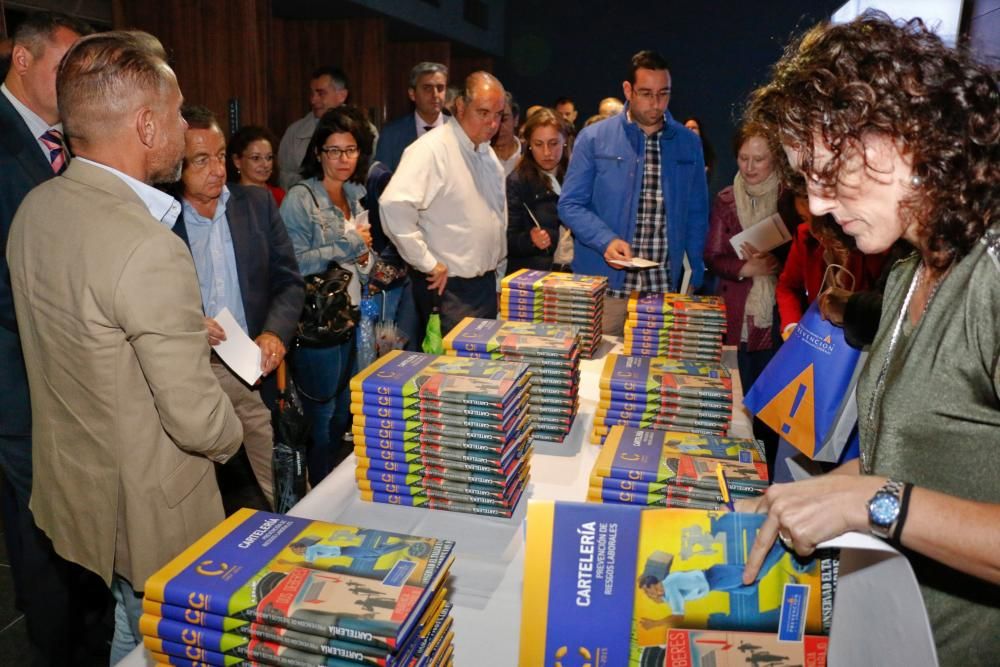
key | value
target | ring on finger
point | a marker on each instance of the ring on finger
(786, 540)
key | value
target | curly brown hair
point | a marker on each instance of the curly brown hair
(874, 76)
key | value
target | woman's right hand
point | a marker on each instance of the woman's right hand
(540, 238)
(758, 263)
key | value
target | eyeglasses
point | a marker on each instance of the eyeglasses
(649, 95)
(259, 158)
(334, 152)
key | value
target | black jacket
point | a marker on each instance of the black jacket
(521, 252)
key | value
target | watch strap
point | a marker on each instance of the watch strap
(904, 506)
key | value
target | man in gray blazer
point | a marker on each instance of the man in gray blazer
(127, 415)
(246, 263)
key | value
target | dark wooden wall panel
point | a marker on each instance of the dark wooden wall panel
(400, 59)
(221, 49)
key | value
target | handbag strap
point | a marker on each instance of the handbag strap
(308, 189)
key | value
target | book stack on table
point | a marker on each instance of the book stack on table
(442, 432)
(270, 589)
(528, 295)
(675, 469)
(675, 325)
(552, 352)
(663, 393)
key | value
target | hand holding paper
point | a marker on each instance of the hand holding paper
(765, 236)
(634, 263)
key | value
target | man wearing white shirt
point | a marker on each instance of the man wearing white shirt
(446, 208)
(128, 416)
(428, 85)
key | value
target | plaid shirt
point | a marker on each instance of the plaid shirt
(650, 240)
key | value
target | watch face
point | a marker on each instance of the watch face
(883, 509)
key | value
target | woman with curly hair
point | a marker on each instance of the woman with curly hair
(897, 137)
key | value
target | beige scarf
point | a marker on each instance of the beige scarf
(753, 204)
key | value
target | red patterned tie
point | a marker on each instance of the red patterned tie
(57, 154)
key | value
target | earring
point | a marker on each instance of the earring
(916, 181)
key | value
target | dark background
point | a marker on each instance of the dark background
(718, 52)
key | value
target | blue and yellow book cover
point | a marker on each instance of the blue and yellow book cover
(708, 307)
(285, 571)
(579, 584)
(631, 451)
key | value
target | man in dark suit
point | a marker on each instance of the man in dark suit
(428, 85)
(246, 263)
(47, 588)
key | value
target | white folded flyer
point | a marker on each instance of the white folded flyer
(634, 263)
(766, 235)
(238, 351)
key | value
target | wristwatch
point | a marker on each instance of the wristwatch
(883, 509)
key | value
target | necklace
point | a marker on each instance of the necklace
(875, 402)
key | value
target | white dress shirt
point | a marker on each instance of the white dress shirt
(35, 124)
(160, 205)
(447, 203)
(421, 123)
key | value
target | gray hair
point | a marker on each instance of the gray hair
(101, 75)
(420, 69)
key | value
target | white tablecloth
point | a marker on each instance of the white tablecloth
(489, 552)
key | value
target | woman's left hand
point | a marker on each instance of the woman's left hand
(366, 235)
(809, 512)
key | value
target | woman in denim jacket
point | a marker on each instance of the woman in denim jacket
(326, 222)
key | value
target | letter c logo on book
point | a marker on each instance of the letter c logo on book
(205, 568)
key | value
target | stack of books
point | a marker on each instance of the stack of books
(552, 352)
(676, 469)
(675, 325)
(270, 589)
(442, 432)
(663, 393)
(529, 295)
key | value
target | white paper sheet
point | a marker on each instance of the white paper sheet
(766, 235)
(238, 351)
(635, 263)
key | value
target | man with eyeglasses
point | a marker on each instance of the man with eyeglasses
(636, 187)
(245, 263)
(446, 209)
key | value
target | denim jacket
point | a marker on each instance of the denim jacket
(600, 195)
(318, 232)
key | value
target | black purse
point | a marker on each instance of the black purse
(328, 316)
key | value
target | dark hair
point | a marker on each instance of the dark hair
(528, 168)
(335, 73)
(38, 28)
(647, 580)
(707, 150)
(873, 76)
(199, 117)
(564, 100)
(238, 143)
(646, 59)
(345, 118)
(515, 108)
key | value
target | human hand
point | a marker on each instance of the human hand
(438, 278)
(216, 334)
(833, 304)
(618, 250)
(540, 238)
(366, 235)
(272, 351)
(808, 512)
(757, 263)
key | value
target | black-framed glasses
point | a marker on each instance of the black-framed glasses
(334, 152)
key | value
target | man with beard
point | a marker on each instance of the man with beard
(127, 415)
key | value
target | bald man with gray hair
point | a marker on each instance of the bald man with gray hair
(446, 209)
(128, 415)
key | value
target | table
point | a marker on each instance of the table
(487, 576)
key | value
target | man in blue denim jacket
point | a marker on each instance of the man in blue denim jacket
(636, 187)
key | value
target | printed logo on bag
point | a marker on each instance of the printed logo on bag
(823, 344)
